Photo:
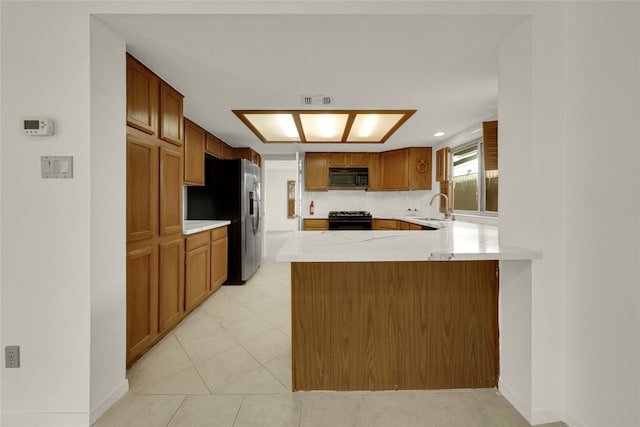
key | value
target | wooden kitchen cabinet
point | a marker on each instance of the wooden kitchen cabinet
(420, 168)
(226, 151)
(214, 146)
(247, 153)
(142, 298)
(315, 224)
(219, 257)
(406, 169)
(142, 189)
(442, 164)
(197, 269)
(170, 192)
(194, 144)
(143, 88)
(171, 283)
(375, 172)
(171, 118)
(385, 224)
(316, 172)
(394, 167)
(348, 160)
(406, 225)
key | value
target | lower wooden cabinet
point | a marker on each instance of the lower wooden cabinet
(171, 284)
(313, 224)
(142, 298)
(385, 224)
(219, 257)
(197, 274)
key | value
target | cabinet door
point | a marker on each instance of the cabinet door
(339, 160)
(316, 173)
(395, 172)
(385, 224)
(420, 168)
(142, 189)
(194, 142)
(403, 225)
(170, 192)
(142, 299)
(219, 254)
(358, 160)
(171, 119)
(442, 164)
(213, 146)
(226, 151)
(197, 277)
(171, 284)
(143, 87)
(255, 158)
(374, 172)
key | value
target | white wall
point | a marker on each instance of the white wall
(108, 219)
(277, 173)
(46, 252)
(602, 352)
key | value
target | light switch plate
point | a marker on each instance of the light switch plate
(57, 166)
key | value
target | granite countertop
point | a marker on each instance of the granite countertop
(453, 240)
(191, 226)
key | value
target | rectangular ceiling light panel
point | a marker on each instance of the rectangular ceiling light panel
(323, 127)
(373, 127)
(275, 127)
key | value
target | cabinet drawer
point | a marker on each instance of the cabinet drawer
(385, 224)
(316, 224)
(197, 240)
(218, 233)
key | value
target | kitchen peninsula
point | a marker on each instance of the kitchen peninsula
(390, 310)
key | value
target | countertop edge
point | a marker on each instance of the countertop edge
(202, 225)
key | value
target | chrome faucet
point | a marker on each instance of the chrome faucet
(447, 209)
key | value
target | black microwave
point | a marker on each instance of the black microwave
(348, 178)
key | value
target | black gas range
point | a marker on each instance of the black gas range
(350, 220)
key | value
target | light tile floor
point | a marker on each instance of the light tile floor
(228, 364)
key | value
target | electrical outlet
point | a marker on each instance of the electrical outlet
(12, 356)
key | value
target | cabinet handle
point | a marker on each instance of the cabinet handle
(421, 166)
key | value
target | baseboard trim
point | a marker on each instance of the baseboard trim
(108, 402)
(545, 416)
(44, 419)
(516, 402)
(572, 421)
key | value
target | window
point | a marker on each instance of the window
(471, 193)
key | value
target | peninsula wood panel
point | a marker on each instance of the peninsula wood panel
(395, 325)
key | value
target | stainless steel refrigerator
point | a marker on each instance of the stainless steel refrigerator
(232, 192)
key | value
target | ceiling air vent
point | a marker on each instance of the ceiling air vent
(316, 100)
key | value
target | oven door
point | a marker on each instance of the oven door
(349, 223)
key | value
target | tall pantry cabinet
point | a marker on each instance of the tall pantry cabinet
(155, 245)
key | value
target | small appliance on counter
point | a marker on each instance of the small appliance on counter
(350, 220)
(232, 192)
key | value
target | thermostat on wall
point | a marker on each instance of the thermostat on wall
(38, 127)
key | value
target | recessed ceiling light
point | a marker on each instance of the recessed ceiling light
(438, 134)
(328, 126)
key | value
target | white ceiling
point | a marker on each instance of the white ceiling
(445, 67)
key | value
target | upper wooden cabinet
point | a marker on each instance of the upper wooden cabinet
(143, 88)
(316, 172)
(171, 119)
(442, 164)
(247, 153)
(490, 143)
(142, 189)
(214, 146)
(170, 192)
(420, 168)
(375, 172)
(194, 143)
(406, 169)
(348, 160)
(226, 152)
(394, 167)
